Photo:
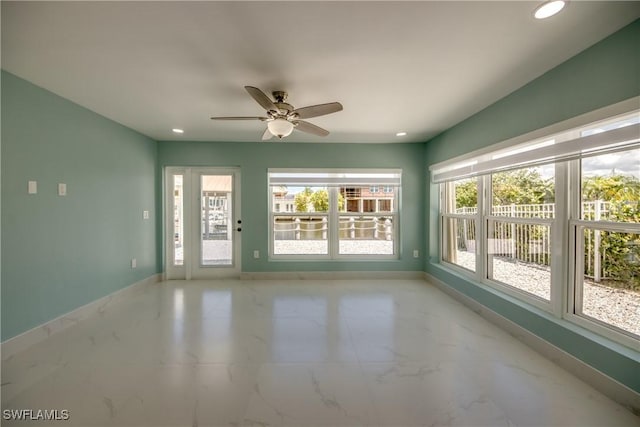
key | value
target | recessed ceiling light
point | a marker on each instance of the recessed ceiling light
(401, 134)
(548, 9)
(176, 130)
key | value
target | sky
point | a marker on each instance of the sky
(625, 163)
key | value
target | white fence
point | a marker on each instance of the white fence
(316, 228)
(592, 211)
(530, 242)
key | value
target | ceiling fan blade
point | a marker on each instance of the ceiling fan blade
(318, 110)
(267, 135)
(240, 118)
(310, 128)
(262, 99)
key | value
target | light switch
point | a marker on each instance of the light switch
(145, 214)
(33, 187)
(62, 189)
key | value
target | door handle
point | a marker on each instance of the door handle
(238, 229)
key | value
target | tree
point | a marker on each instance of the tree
(315, 201)
(302, 200)
(467, 193)
(620, 252)
(320, 200)
(615, 188)
(521, 187)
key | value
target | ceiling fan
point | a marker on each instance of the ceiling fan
(282, 118)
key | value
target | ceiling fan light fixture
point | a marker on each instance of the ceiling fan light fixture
(548, 9)
(280, 127)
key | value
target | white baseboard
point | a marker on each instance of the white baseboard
(333, 275)
(587, 373)
(33, 336)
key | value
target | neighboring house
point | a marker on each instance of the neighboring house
(368, 199)
(282, 201)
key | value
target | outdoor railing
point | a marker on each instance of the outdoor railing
(316, 228)
(592, 211)
(528, 237)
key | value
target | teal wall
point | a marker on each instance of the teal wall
(604, 74)
(255, 158)
(59, 253)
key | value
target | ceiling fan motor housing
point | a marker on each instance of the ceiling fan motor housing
(279, 95)
(284, 107)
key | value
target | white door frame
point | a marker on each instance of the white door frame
(191, 268)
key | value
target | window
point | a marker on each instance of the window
(607, 279)
(331, 218)
(519, 229)
(370, 234)
(508, 216)
(385, 205)
(460, 214)
(304, 229)
(368, 205)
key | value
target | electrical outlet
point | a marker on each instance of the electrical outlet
(416, 254)
(134, 263)
(256, 254)
(33, 187)
(62, 189)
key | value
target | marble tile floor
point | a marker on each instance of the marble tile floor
(296, 353)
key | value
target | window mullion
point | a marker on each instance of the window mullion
(576, 249)
(333, 223)
(487, 202)
(560, 241)
(481, 232)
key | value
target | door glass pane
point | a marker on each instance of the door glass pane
(216, 231)
(178, 221)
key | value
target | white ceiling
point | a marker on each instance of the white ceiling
(419, 67)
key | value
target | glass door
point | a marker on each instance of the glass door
(203, 223)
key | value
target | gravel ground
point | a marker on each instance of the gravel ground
(618, 307)
(347, 247)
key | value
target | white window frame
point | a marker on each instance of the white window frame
(554, 305)
(482, 218)
(566, 226)
(333, 217)
(445, 216)
(576, 225)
